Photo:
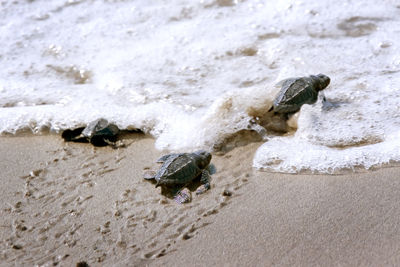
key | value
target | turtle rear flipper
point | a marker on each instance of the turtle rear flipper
(149, 175)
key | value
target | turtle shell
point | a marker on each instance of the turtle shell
(294, 93)
(177, 169)
(99, 130)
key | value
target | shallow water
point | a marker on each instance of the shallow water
(195, 74)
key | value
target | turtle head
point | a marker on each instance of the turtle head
(323, 81)
(203, 158)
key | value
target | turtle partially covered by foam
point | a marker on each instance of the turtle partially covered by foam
(296, 92)
(181, 169)
(99, 133)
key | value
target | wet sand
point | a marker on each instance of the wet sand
(64, 203)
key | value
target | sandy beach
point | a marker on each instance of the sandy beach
(307, 91)
(65, 203)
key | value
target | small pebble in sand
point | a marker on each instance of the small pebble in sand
(186, 236)
(117, 213)
(82, 264)
(227, 193)
(17, 247)
(35, 173)
(163, 201)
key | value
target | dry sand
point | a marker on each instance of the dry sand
(63, 203)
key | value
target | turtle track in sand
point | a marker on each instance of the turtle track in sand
(92, 204)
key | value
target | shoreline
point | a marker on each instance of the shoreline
(135, 134)
(63, 203)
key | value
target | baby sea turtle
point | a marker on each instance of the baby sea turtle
(98, 133)
(181, 169)
(298, 91)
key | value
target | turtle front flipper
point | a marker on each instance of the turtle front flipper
(205, 180)
(115, 145)
(183, 196)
